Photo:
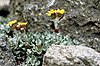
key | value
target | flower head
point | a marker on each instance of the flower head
(55, 13)
(58, 11)
(50, 12)
(22, 23)
(11, 23)
(62, 11)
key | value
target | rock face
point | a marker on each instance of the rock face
(6, 56)
(58, 55)
(4, 2)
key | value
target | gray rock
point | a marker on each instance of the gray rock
(6, 56)
(58, 55)
(4, 2)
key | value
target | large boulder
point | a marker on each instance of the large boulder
(59, 55)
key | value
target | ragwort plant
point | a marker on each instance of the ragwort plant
(56, 17)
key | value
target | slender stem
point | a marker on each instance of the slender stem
(56, 23)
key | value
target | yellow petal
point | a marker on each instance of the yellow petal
(11, 23)
(50, 12)
(62, 11)
(22, 23)
(57, 11)
(8, 25)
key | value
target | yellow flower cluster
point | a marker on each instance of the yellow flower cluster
(17, 25)
(58, 11)
(12, 22)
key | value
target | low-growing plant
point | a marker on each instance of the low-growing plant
(30, 47)
(3, 28)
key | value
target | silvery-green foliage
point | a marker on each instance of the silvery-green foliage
(37, 44)
(3, 27)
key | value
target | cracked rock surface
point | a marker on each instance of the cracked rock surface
(59, 55)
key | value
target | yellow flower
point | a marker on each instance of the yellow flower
(11, 23)
(58, 11)
(62, 11)
(22, 23)
(50, 12)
